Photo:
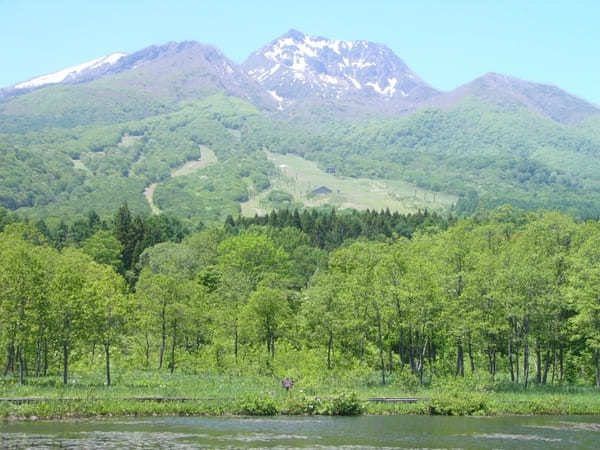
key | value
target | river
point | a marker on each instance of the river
(517, 432)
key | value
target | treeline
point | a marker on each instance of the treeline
(328, 228)
(117, 241)
(510, 294)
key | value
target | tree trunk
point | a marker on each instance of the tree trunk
(45, 370)
(470, 349)
(147, 350)
(597, 367)
(546, 365)
(538, 362)
(329, 345)
(107, 353)
(272, 347)
(492, 360)
(411, 354)
(553, 361)
(65, 363)
(561, 364)
(380, 342)
(10, 359)
(510, 362)
(422, 362)
(163, 340)
(172, 365)
(38, 358)
(402, 355)
(517, 368)
(20, 358)
(235, 344)
(460, 360)
(526, 363)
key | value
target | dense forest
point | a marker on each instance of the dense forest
(484, 154)
(506, 294)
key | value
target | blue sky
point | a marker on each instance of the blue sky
(447, 43)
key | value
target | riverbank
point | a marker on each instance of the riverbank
(266, 406)
(143, 394)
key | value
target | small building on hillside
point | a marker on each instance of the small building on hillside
(323, 190)
(331, 170)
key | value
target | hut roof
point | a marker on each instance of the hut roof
(321, 190)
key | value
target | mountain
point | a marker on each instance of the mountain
(128, 87)
(508, 92)
(298, 67)
(200, 134)
(295, 73)
(185, 70)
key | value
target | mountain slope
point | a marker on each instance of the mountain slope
(509, 92)
(144, 83)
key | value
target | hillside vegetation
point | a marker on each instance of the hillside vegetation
(466, 156)
(507, 298)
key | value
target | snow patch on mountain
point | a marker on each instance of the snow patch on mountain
(362, 64)
(328, 79)
(70, 72)
(275, 96)
(388, 90)
(354, 82)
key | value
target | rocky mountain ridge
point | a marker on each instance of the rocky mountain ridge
(298, 71)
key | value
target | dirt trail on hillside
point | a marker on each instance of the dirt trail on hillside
(208, 157)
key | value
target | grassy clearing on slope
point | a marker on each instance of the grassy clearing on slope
(300, 177)
(208, 157)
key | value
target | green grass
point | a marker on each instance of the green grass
(299, 177)
(260, 395)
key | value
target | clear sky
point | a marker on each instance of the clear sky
(447, 42)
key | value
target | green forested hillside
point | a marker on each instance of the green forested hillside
(71, 106)
(483, 154)
(503, 156)
(99, 167)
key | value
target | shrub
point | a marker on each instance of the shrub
(458, 404)
(344, 404)
(256, 405)
(303, 405)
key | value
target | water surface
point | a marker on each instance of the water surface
(529, 432)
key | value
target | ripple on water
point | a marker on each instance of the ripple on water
(570, 426)
(520, 437)
(261, 437)
(99, 439)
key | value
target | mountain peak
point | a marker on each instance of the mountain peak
(297, 66)
(294, 34)
(505, 90)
